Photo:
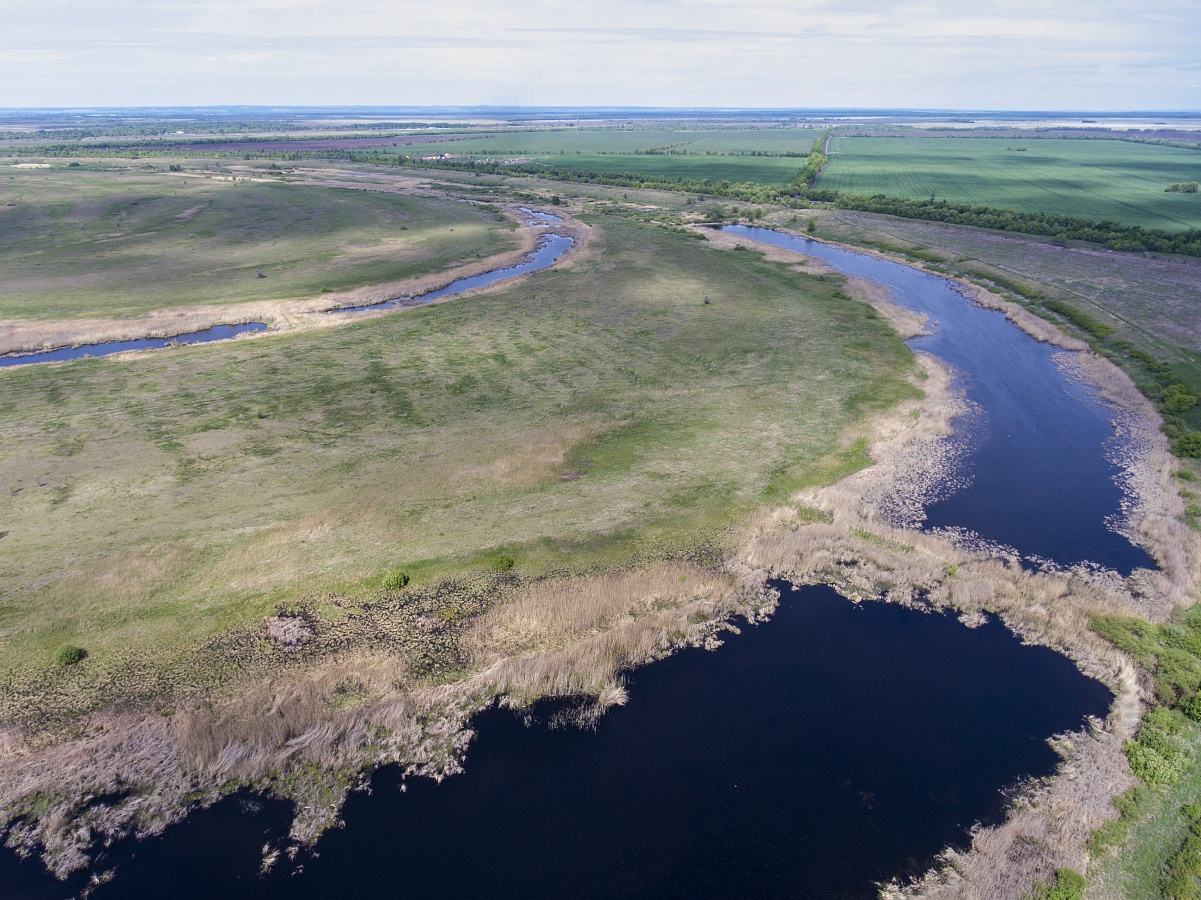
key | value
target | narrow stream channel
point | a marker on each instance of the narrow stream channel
(107, 348)
(551, 246)
(832, 748)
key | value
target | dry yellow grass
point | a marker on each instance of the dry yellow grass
(556, 612)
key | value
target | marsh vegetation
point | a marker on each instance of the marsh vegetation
(293, 559)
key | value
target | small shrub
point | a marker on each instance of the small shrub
(68, 655)
(1155, 754)
(1188, 446)
(395, 580)
(1068, 885)
(503, 563)
(1177, 398)
(1193, 708)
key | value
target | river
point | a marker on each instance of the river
(551, 246)
(834, 747)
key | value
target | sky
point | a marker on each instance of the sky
(938, 54)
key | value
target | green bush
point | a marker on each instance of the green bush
(1184, 868)
(1188, 446)
(1068, 885)
(1155, 754)
(1177, 398)
(395, 580)
(503, 563)
(68, 655)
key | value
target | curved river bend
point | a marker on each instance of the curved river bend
(1035, 468)
(832, 748)
(551, 246)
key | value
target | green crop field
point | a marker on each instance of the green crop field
(722, 154)
(95, 241)
(769, 171)
(1117, 180)
(582, 418)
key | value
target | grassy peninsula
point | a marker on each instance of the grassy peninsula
(206, 521)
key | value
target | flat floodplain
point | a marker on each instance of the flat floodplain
(590, 417)
(1122, 181)
(113, 241)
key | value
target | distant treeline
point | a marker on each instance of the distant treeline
(1111, 235)
(814, 163)
(157, 128)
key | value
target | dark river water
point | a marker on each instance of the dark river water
(107, 348)
(831, 748)
(1036, 473)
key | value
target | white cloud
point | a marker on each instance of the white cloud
(925, 53)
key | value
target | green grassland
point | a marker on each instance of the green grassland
(588, 417)
(1116, 180)
(100, 241)
(723, 154)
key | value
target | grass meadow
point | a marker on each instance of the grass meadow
(107, 241)
(585, 419)
(1116, 180)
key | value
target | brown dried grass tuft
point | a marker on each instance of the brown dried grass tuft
(552, 613)
(543, 457)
